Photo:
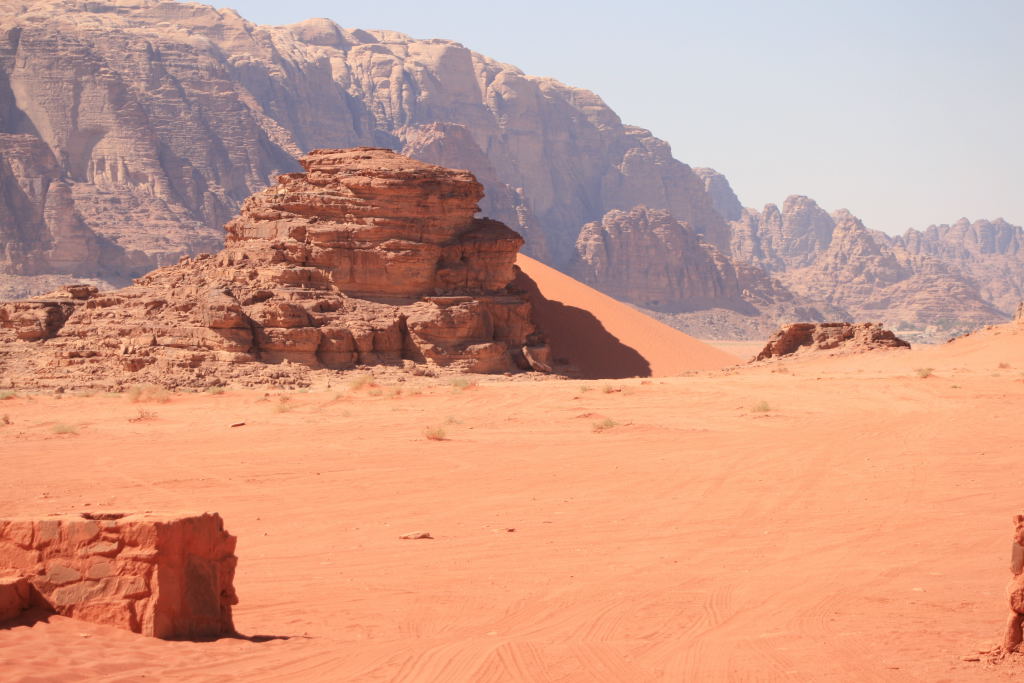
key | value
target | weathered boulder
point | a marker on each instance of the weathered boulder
(1013, 636)
(163, 575)
(834, 337)
(368, 257)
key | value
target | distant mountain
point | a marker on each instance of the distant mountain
(131, 130)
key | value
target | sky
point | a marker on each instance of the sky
(905, 112)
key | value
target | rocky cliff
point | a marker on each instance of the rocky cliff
(133, 129)
(835, 261)
(367, 257)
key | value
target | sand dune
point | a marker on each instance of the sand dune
(856, 531)
(606, 338)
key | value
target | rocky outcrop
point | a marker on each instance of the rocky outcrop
(126, 147)
(989, 254)
(834, 261)
(1013, 635)
(649, 258)
(805, 338)
(162, 575)
(367, 257)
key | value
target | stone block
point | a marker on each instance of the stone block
(163, 575)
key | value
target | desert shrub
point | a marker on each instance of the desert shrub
(761, 407)
(143, 416)
(5, 419)
(1004, 366)
(463, 383)
(394, 392)
(361, 380)
(609, 389)
(141, 393)
(375, 391)
(63, 428)
(4, 395)
(924, 372)
(435, 434)
(216, 391)
(585, 388)
(605, 424)
(284, 404)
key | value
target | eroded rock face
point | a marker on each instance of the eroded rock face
(147, 174)
(835, 260)
(368, 257)
(834, 337)
(163, 575)
(1013, 635)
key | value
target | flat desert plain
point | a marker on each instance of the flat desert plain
(824, 519)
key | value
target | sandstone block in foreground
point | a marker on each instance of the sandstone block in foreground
(163, 575)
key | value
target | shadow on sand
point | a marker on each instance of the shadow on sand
(574, 334)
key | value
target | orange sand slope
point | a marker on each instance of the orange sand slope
(606, 338)
(632, 530)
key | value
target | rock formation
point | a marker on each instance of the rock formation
(834, 337)
(835, 261)
(104, 179)
(989, 254)
(151, 138)
(1013, 637)
(169, 576)
(367, 257)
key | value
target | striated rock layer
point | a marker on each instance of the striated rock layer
(833, 337)
(131, 130)
(367, 257)
(163, 575)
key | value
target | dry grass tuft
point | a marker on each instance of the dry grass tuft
(357, 382)
(63, 428)
(142, 393)
(463, 383)
(605, 424)
(924, 373)
(435, 434)
(143, 416)
(761, 407)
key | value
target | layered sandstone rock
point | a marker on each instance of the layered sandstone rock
(367, 257)
(163, 575)
(835, 261)
(1013, 635)
(649, 258)
(990, 254)
(833, 337)
(152, 121)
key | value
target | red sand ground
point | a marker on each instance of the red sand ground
(566, 308)
(856, 531)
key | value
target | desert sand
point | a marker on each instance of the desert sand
(857, 530)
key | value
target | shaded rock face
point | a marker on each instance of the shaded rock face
(152, 137)
(367, 257)
(651, 259)
(834, 337)
(169, 576)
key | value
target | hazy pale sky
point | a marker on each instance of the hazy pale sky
(906, 112)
